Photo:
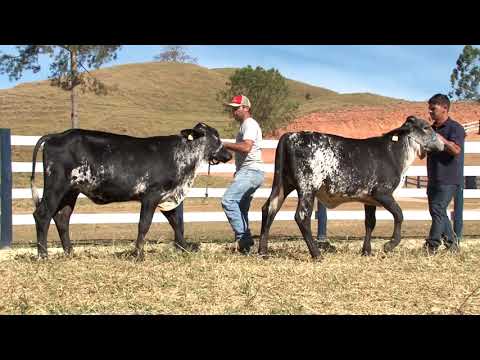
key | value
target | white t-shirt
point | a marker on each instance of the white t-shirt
(249, 130)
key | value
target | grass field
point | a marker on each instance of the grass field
(101, 280)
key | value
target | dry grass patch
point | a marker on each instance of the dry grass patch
(101, 280)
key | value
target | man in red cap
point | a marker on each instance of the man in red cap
(249, 173)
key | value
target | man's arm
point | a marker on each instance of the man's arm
(245, 146)
(450, 147)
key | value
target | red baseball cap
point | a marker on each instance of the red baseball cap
(239, 100)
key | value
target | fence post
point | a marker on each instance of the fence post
(5, 189)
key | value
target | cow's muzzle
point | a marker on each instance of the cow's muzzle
(222, 155)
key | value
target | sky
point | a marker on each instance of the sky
(409, 72)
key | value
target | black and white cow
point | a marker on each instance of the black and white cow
(156, 171)
(337, 170)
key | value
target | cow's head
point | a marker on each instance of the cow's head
(421, 133)
(214, 149)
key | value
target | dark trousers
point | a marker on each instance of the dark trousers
(439, 196)
(180, 214)
(322, 222)
(458, 212)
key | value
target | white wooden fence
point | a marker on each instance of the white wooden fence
(116, 218)
(472, 127)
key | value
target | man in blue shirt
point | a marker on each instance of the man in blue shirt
(445, 173)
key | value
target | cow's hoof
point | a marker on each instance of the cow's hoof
(193, 247)
(326, 247)
(68, 252)
(188, 247)
(389, 246)
(262, 253)
(136, 255)
(366, 252)
(42, 257)
(318, 258)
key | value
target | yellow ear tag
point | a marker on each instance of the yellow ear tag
(394, 138)
(190, 137)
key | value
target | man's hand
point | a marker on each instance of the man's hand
(245, 146)
(442, 139)
(450, 146)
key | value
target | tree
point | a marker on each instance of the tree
(465, 77)
(64, 67)
(177, 54)
(268, 92)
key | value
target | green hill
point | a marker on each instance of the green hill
(150, 99)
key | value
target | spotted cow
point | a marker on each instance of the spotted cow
(336, 170)
(156, 171)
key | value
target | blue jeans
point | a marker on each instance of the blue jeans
(439, 196)
(236, 201)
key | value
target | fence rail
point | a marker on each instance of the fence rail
(473, 126)
(264, 193)
(230, 168)
(133, 218)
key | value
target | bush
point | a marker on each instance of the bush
(268, 93)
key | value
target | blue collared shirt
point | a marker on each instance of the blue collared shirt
(442, 167)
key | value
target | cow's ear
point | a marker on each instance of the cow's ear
(191, 134)
(405, 128)
(201, 129)
(407, 125)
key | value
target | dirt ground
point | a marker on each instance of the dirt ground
(366, 121)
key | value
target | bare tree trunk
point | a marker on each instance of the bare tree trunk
(73, 94)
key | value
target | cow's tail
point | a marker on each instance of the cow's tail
(280, 162)
(35, 196)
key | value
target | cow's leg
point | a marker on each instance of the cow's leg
(62, 219)
(43, 214)
(269, 210)
(303, 218)
(146, 214)
(370, 222)
(177, 225)
(389, 203)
